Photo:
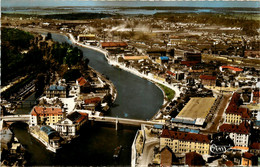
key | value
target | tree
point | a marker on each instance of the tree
(49, 36)
(86, 62)
(39, 84)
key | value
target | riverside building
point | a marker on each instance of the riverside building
(45, 115)
(182, 142)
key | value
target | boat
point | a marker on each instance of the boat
(117, 151)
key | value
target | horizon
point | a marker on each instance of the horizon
(130, 3)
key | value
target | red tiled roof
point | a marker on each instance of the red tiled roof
(256, 94)
(229, 163)
(233, 68)
(83, 116)
(242, 128)
(189, 63)
(255, 146)
(92, 100)
(38, 110)
(82, 81)
(233, 107)
(171, 73)
(185, 136)
(208, 77)
(114, 44)
(193, 158)
(248, 155)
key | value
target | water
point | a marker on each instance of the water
(137, 98)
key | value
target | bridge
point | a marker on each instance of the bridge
(126, 121)
(15, 118)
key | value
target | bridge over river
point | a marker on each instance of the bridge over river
(116, 120)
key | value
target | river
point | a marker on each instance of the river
(137, 98)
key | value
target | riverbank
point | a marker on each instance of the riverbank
(131, 70)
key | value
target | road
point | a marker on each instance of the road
(147, 155)
(218, 117)
(124, 120)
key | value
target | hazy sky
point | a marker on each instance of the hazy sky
(30, 3)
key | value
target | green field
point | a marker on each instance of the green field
(169, 93)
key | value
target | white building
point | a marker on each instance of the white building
(71, 124)
(238, 133)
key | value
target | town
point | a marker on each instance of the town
(209, 75)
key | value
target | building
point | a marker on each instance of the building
(56, 91)
(162, 60)
(247, 159)
(86, 37)
(192, 56)
(234, 113)
(256, 97)
(194, 159)
(255, 149)
(45, 115)
(83, 84)
(114, 45)
(232, 69)
(237, 115)
(238, 133)
(71, 125)
(48, 136)
(183, 142)
(166, 157)
(134, 58)
(195, 111)
(92, 104)
(208, 80)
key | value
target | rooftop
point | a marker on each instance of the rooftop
(81, 81)
(197, 107)
(208, 77)
(92, 100)
(135, 57)
(233, 68)
(114, 44)
(55, 87)
(37, 110)
(185, 136)
(242, 128)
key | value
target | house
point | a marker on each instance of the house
(71, 125)
(183, 142)
(236, 114)
(56, 91)
(238, 133)
(255, 148)
(114, 45)
(247, 159)
(83, 84)
(45, 115)
(92, 104)
(166, 157)
(135, 58)
(208, 80)
(86, 37)
(194, 159)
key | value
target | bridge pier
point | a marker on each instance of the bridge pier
(116, 124)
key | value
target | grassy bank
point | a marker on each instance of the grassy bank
(169, 93)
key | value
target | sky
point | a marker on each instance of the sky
(185, 3)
